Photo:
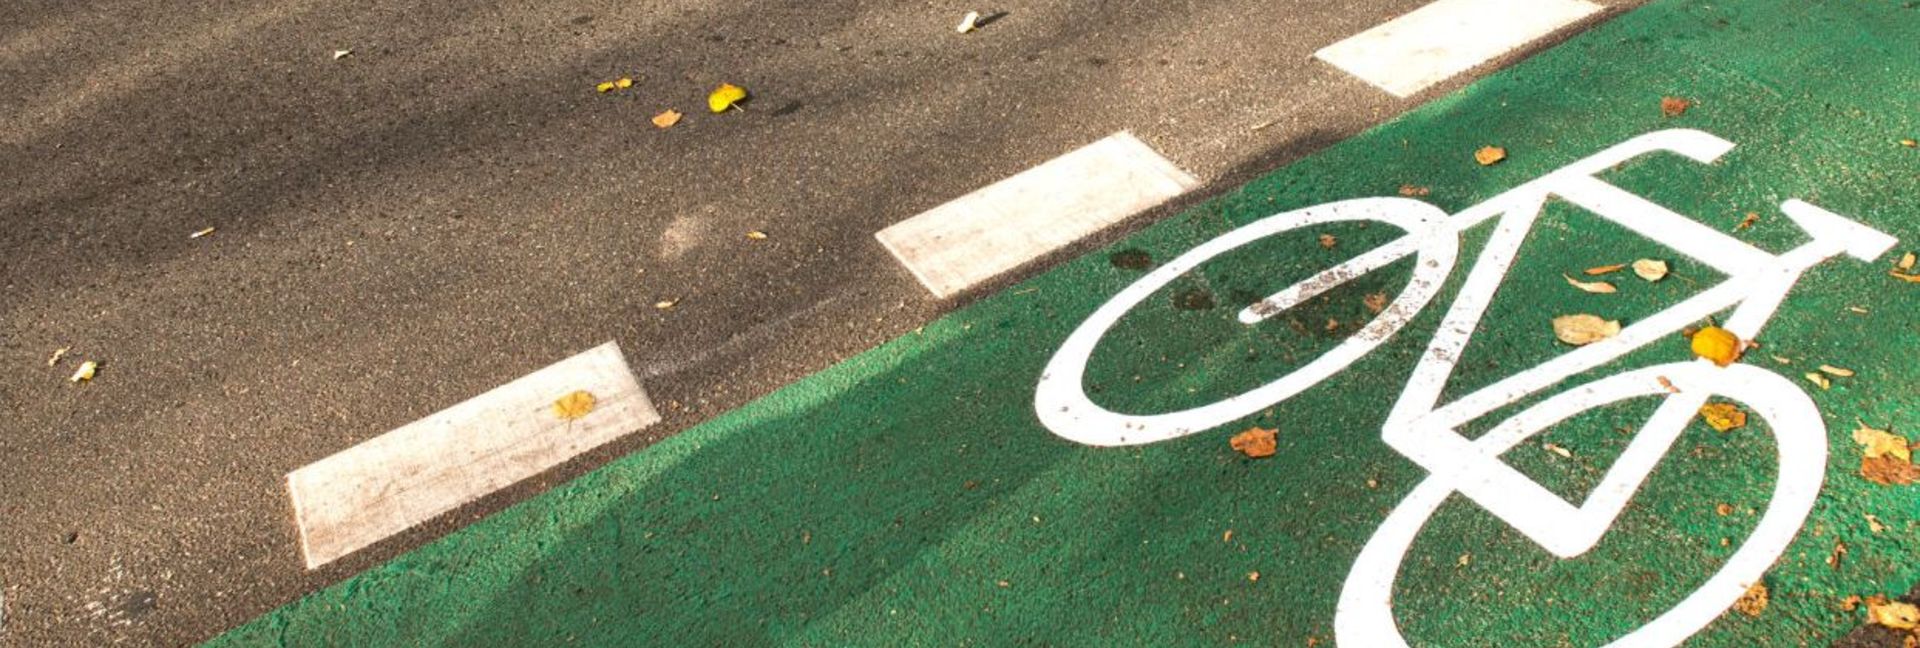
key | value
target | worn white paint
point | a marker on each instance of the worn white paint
(399, 479)
(1004, 225)
(1423, 429)
(1437, 41)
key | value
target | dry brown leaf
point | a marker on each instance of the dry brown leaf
(1650, 269)
(1723, 417)
(57, 355)
(1605, 269)
(757, 235)
(1850, 603)
(1717, 344)
(667, 119)
(665, 304)
(1893, 614)
(573, 406)
(1563, 452)
(1839, 553)
(1837, 371)
(1674, 106)
(1723, 509)
(1667, 384)
(1909, 278)
(85, 372)
(1583, 329)
(1819, 379)
(1906, 262)
(1600, 287)
(1754, 601)
(1881, 443)
(1227, 537)
(1256, 442)
(1414, 191)
(200, 232)
(1328, 241)
(1909, 143)
(1489, 155)
(1889, 471)
(1873, 523)
(1752, 217)
(1375, 302)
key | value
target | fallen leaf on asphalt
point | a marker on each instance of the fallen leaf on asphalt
(604, 86)
(1605, 269)
(1375, 302)
(1820, 379)
(1600, 287)
(1328, 241)
(1489, 155)
(1889, 471)
(667, 119)
(1583, 329)
(1650, 269)
(1837, 371)
(57, 355)
(573, 406)
(725, 96)
(665, 304)
(1716, 344)
(85, 372)
(200, 233)
(1674, 106)
(1892, 614)
(1754, 601)
(623, 83)
(1873, 524)
(342, 53)
(969, 22)
(1414, 191)
(1752, 217)
(1723, 417)
(757, 235)
(1256, 442)
(1906, 262)
(1876, 443)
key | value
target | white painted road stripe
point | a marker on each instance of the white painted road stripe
(1431, 44)
(399, 479)
(1011, 222)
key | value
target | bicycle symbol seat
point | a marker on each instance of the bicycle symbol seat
(1425, 430)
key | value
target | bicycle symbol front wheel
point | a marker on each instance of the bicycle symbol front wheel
(1365, 615)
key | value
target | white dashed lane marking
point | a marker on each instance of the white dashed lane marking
(1435, 42)
(399, 479)
(1004, 225)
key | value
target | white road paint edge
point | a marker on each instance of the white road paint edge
(397, 480)
(1433, 43)
(1005, 225)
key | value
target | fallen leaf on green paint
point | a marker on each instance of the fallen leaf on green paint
(573, 406)
(1893, 614)
(1716, 344)
(1906, 262)
(1876, 443)
(1583, 329)
(1605, 269)
(1754, 601)
(1256, 442)
(1600, 287)
(1650, 269)
(725, 96)
(1723, 417)
(1889, 471)
(1489, 155)
(1674, 106)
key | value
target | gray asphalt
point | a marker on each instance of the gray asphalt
(452, 206)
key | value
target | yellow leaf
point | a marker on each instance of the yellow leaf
(623, 83)
(1909, 143)
(1723, 417)
(1837, 371)
(1601, 287)
(57, 355)
(757, 235)
(1754, 601)
(1581, 330)
(1906, 262)
(1820, 379)
(1605, 269)
(1716, 344)
(1881, 443)
(1892, 614)
(1256, 442)
(1650, 269)
(1489, 155)
(604, 86)
(725, 97)
(85, 372)
(573, 406)
(667, 119)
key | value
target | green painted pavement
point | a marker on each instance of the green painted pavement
(909, 496)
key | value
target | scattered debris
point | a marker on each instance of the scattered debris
(1605, 269)
(1906, 262)
(969, 22)
(1674, 106)
(1464, 560)
(85, 372)
(1875, 443)
(1754, 601)
(1820, 379)
(1723, 417)
(1600, 287)
(1892, 614)
(1837, 371)
(1328, 241)
(1256, 442)
(667, 119)
(573, 406)
(57, 355)
(200, 233)
(1717, 344)
(1667, 384)
(1414, 191)
(342, 53)
(1858, 309)
(1723, 509)
(1583, 329)
(1874, 525)
(726, 96)
(1839, 553)
(757, 235)
(1563, 452)
(1889, 471)
(1782, 360)
(1375, 302)
(1489, 155)
(1650, 269)
(1752, 217)
(665, 304)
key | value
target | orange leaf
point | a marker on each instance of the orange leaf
(1605, 269)
(1256, 442)
(667, 119)
(1723, 417)
(1674, 106)
(1489, 155)
(1717, 344)
(1889, 471)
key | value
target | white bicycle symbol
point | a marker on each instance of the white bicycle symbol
(1425, 430)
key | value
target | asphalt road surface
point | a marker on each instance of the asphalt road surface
(452, 205)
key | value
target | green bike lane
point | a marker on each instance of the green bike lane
(910, 496)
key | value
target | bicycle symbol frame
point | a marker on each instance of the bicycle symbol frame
(1425, 430)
